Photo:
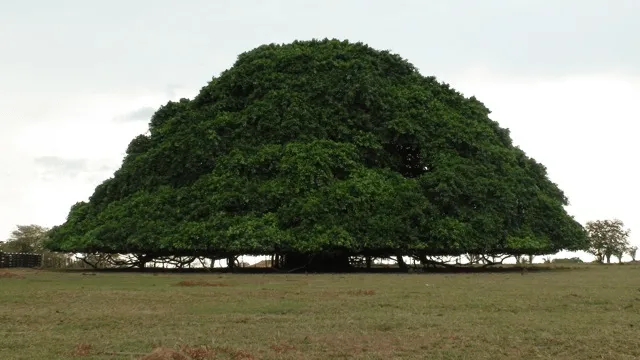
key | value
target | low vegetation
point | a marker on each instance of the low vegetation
(579, 311)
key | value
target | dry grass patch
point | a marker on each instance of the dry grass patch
(283, 348)
(81, 350)
(190, 283)
(200, 352)
(187, 352)
(163, 353)
(10, 275)
(361, 292)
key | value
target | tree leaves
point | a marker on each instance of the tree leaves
(323, 145)
(606, 238)
(25, 239)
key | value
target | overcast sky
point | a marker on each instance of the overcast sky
(79, 79)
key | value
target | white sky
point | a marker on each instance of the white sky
(79, 79)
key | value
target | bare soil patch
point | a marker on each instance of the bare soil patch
(163, 353)
(82, 350)
(10, 275)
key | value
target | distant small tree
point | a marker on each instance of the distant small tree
(633, 250)
(31, 239)
(607, 238)
(619, 253)
(524, 259)
(25, 239)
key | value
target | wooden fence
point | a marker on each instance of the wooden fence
(20, 260)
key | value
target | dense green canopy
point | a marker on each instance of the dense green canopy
(323, 146)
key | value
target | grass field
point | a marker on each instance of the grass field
(591, 312)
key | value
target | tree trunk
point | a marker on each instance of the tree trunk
(231, 262)
(368, 261)
(142, 261)
(401, 264)
(423, 260)
(608, 258)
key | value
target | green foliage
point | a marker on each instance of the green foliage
(25, 239)
(607, 238)
(323, 146)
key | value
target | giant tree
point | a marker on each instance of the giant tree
(317, 151)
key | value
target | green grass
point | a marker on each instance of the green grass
(591, 312)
